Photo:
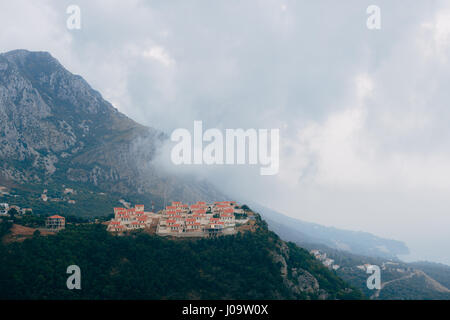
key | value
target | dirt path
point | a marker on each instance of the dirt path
(433, 283)
(377, 293)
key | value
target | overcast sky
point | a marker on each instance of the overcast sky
(363, 114)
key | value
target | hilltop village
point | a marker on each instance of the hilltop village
(183, 220)
(201, 219)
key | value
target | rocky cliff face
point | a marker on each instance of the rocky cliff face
(56, 128)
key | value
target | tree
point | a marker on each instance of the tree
(12, 212)
(5, 226)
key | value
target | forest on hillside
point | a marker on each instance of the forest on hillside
(143, 266)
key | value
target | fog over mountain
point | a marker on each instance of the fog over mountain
(363, 115)
(56, 129)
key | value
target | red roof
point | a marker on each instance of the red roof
(56, 217)
(226, 215)
(223, 206)
(228, 203)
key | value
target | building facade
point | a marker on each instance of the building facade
(130, 219)
(198, 220)
(55, 223)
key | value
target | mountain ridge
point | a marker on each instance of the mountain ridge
(58, 129)
(302, 232)
(60, 132)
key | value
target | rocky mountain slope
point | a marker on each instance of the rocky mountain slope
(57, 132)
(55, 129)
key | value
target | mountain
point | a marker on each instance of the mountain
(57, 131)
(60, 139)
(249, 265)
(357, 242)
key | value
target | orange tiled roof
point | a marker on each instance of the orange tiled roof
(56, 217)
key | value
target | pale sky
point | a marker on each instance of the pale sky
(363, 114)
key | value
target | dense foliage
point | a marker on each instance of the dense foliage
(142, 266)
(5, 226)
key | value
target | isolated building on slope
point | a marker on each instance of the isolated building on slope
(55, 223)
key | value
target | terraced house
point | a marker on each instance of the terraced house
(198, 220)
(131, 219)
(181, 220)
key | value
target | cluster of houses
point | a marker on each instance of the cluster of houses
(53, 223)
(5, 207)
(66, 193)
(388, 265)
(322, 257)
(126, 219)
(181, 220)
(199, 220)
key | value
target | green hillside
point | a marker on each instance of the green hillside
(255, 265)
(400, 280)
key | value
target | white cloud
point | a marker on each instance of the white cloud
(159, 54)
(436, 42)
